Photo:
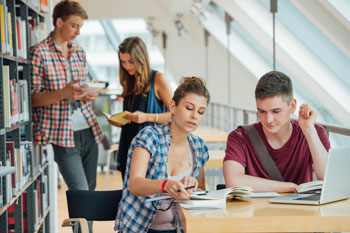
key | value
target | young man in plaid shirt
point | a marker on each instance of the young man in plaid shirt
(62, 113)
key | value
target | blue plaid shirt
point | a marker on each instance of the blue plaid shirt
(134, 213)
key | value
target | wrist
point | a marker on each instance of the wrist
(61, 94)
(156, 118)
(163, 186)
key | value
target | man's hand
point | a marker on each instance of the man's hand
(137, 117)
(73, 92)
(307, 117)
(90, 96)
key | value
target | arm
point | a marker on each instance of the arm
(319, 154)
(70, 92)
(235, 176)
(141, 186)
(164, 93)
(201, 179)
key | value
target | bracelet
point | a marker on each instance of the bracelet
(163, 186)
(156, 118)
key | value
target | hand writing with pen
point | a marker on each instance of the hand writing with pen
(181, 190)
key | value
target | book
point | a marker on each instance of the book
(212, 199)
(94, 87)
(215, 199)
(238, 191)
(310, 186)
(118, 118)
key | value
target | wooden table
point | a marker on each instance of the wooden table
(216, 158)
(211, 134)
(258, 215)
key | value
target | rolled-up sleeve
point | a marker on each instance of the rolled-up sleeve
(37, 71)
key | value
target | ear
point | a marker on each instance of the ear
(172, 107)
(293, 105)
(59, 22)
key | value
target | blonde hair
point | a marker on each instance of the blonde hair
(140, 83)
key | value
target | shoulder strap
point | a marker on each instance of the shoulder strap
(264, 155)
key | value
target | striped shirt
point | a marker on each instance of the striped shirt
(134, 213)
(53, 123)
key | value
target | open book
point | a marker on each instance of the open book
(310, 186)
(118, 118)
(214, 199)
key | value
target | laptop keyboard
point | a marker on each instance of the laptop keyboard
(314, 197)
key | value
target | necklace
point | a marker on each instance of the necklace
(182, 162)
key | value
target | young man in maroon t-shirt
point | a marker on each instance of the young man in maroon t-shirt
(297, 147)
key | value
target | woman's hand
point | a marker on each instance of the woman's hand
(172, 187)
(190, 181)
(137, 117)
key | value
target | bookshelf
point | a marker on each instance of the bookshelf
(24, 197)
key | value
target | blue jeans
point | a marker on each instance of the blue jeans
(78, 164)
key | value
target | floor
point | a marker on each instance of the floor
(115, 182)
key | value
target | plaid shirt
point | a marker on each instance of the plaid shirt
(53, 123)
(134, 213)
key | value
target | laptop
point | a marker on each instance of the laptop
(336, 185)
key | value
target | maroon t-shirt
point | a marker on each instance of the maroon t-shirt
(293, 160)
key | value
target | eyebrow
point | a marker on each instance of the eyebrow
(195, 105)
(269, 110)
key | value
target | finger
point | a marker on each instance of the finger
(74, 82)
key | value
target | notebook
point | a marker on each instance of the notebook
(336, 185)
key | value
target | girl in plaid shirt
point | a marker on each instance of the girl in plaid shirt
(165, 159)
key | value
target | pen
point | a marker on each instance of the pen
(189, 187)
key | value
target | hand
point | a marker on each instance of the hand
(172, 186)
(90, 96)
(190, 181)
(307, 117)
(73, 92)
(137, 117)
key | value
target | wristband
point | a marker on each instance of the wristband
(156, 118)
(163, 186)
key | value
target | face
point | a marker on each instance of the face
(189, 113)
(127, 63)
(70, 28)
(274, 113)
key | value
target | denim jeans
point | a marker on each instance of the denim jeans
(78, 164)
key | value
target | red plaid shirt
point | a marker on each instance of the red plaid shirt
(53, 123)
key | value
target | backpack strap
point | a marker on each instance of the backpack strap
(263, 153)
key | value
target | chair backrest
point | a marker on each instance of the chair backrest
(93, 205)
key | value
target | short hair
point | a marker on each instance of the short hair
(138, 52)
(66, 8)
(272, 84)
(193, 85)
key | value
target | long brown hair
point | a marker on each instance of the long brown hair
(140, 83)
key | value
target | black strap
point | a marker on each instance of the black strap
(264, 155)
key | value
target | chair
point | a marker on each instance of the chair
(85, 205)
